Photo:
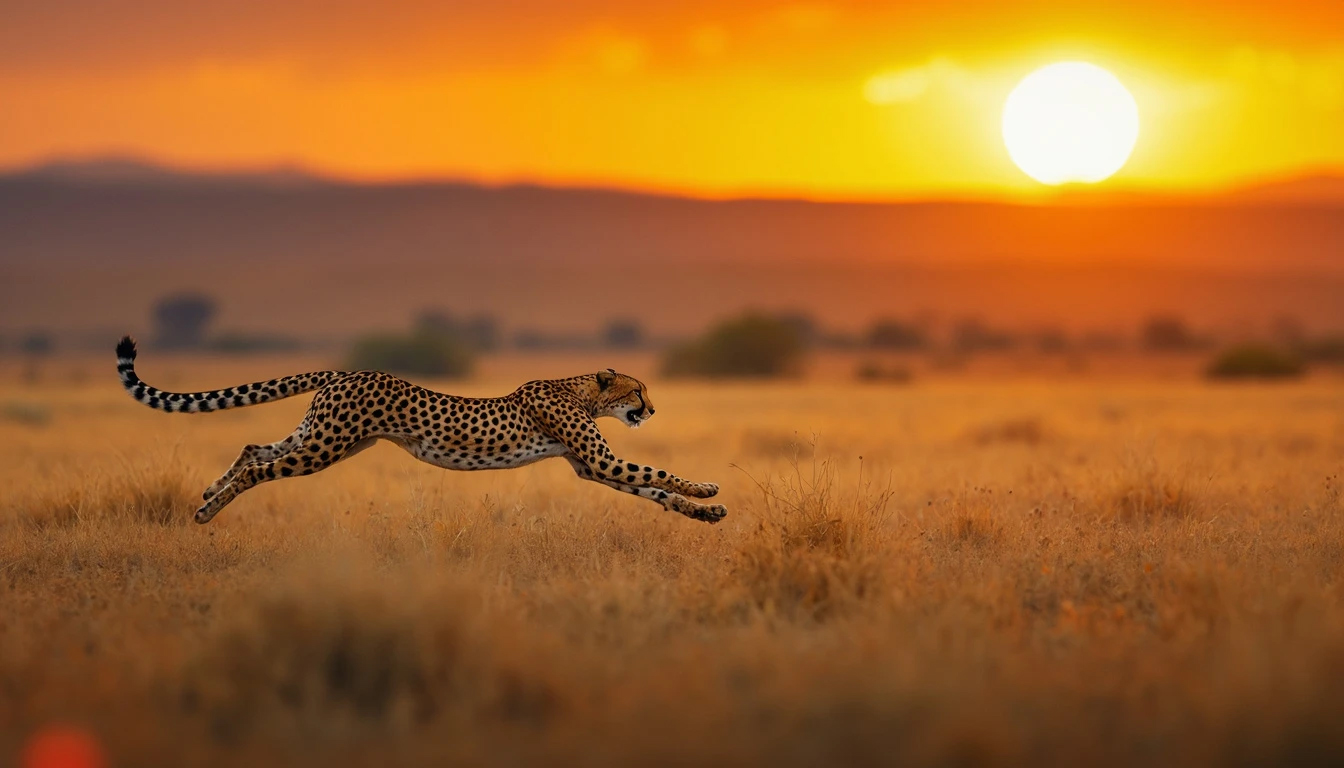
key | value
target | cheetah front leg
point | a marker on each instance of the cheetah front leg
(605, 465)
(709, 513)
(578, 433)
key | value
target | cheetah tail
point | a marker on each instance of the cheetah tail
(216, 400)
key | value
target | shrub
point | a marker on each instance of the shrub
(894, 334)
(1327, 349)
(1169, 334)
(873, 371)
(1256, 361)
(423, 353)
(753, 345)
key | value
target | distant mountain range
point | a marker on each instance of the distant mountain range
(93, 244)
(131, 171)
(1324, 189)
(1306, 189)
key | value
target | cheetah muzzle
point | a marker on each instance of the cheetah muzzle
(352, 410)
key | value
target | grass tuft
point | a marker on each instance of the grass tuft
(814, 552)
(151, 494)
(340, 646)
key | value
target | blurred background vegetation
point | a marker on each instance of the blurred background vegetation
(754, 344)
(751, 346)
(1256, 361)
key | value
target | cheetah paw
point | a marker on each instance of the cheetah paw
(709, 513)
(207, 512)
(702, 490)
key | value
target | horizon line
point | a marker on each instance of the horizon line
(1067, 194)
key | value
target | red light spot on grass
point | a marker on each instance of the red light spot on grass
(62, 746)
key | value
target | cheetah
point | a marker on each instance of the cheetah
(352, 410)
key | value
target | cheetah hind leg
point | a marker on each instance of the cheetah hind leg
(305, 460)
(255, 454)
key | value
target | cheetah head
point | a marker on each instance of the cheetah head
(623, 397)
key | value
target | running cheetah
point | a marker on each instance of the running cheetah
(351, 410)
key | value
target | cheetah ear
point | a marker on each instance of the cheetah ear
(605, 378)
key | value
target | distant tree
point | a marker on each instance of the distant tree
(972, 335)
(36, 344)
(753, 345)
(623, 334)
(1168, 334)
(181, 320)
(893, 334)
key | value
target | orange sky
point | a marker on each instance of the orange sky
(829, 99)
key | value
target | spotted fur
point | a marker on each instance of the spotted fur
(352, 410)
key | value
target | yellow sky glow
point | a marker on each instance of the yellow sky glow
(829, 100)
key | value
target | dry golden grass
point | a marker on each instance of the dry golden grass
(1113, 572)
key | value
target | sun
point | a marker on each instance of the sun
(1070, 122)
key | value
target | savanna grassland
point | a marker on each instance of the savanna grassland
(962, 570)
